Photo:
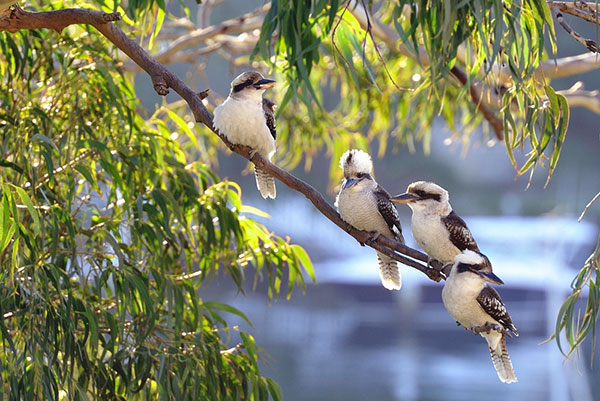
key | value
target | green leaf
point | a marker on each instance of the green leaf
(226, 308)
(304, 259)
(30, 208)
(250, 346)
(274, 390)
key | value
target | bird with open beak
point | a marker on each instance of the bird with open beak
(246, 118)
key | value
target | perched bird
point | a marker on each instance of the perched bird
(365, 205)
(478, 307)
(438, 230)
(246, 118)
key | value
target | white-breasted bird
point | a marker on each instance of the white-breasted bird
(478, 307)
(438, 230)
(246, 118)
(365, 205)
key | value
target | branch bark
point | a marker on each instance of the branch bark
(163, 80)
(588, 43)
(581, 9)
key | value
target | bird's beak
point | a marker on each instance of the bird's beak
(491, 277)
(349, 182)
(264, 84)
(404, 198)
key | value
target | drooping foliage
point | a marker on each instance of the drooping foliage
(390, 73)
(111, 219)
(108, 229)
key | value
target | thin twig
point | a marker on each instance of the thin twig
(590, 44)
(575, 8)
(163, 79)
(594, 199)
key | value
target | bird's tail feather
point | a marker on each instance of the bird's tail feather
(502, 362)
(389, 272)
(265, 183)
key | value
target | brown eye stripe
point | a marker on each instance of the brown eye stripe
(243, 85)
(424, 195)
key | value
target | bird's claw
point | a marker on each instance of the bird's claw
(487, 327)
(446, 269)
(373, 236)
(252, 153)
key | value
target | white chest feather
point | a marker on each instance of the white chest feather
(460, 299)
(243, 122)
(431, 235)
(358, 207)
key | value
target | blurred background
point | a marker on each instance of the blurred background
(348, 338)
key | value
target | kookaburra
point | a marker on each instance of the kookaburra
(246, 118)
(438, 230)
(365, 205)
(478, 307)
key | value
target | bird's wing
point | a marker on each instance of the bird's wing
(492, 304)
(269, 116)
(388, 212)
(460, 235)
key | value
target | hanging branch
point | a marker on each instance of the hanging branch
(163, 80)
(590, 44)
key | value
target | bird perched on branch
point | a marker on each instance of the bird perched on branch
(365, 205)
(438, 230)
(478, 307)
(246, 118)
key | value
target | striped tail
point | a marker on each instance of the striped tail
(389, 272)
(502, 362)
(265, 183)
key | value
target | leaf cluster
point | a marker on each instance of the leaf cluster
(352, 80)
(107, 233)
(577, 318)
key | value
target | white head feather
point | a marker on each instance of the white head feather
(470, 257)
(356, 161)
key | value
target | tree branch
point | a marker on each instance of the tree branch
(244, 23)
(588, 43)
(163, 79)
(580, 9)
(578, 96)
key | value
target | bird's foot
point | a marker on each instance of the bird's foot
(373, 236)
(252, 153)
(446, 269)
(487, 327)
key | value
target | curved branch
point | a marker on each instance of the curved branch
(581, 9)
(163, 79)
(578, 96)
(244, 23)
(567, 66)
